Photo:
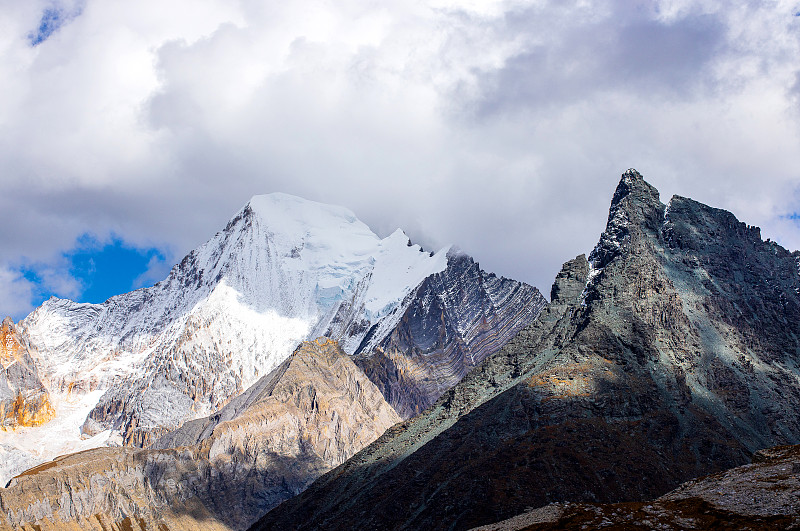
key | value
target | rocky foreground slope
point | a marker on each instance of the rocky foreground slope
(308, 415)
(762, 496)
(671, 353)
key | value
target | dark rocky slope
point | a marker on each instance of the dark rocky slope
(762, 496)
(671, 353)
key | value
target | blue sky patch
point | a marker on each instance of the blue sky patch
(52, 19)
(101, 269)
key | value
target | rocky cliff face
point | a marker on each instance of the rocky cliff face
(24, 401)
(455, 319)
(310, 414)
(672, 352)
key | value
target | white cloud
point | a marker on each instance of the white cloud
(501, 126)
(16, 294)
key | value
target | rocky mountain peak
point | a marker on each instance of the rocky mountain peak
(635, 218)
(632, 184)
(321, 349)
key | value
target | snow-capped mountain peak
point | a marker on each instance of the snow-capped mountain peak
(283, 270)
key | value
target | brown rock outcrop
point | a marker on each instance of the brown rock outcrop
(24, 401)
(308, 415)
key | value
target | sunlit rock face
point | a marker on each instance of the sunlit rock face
(24, 401)
(670, 353)
(283, 270)
(311, 413)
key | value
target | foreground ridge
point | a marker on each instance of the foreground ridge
(670, 353)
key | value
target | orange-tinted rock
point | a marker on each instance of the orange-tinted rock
(24, 401)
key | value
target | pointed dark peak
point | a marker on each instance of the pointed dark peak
(8, 323)
(635, 207)
(570, 281)
(635, 197)
(633, 184)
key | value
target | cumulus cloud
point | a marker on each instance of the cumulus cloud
(499, 126)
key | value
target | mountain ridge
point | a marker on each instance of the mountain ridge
(670, 353)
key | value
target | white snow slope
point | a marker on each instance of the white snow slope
(283, 270)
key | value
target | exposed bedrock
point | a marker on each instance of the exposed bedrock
(24, 401)
(456, 319)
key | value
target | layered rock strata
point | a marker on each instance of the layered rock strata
(282, 271)
(455, 320)
(672, 352)
(310, 414)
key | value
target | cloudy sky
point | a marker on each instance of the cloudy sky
(131, 131)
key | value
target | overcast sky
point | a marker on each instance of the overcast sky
(137, 129)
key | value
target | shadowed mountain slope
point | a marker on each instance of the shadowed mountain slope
(672, 352)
